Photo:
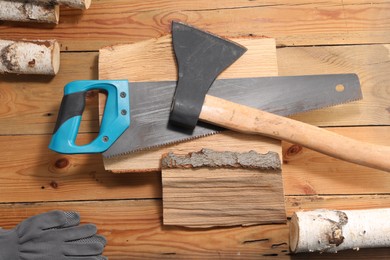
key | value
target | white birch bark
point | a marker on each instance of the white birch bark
(29, 57)
(335, 230)
(79, 4)
(25, 11)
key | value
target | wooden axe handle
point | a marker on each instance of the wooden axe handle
(253, 121)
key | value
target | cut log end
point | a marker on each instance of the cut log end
(56, 57)
(87, 4)
(56, 14)
(294, 233)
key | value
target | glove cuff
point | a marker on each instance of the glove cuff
(9, 242)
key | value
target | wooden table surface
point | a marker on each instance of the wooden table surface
(325, 37)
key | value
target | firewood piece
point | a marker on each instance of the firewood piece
(79, 4)
(210, 188)
(26, 11)
(334, 230)
(30, 57)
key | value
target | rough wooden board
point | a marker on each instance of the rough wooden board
(29, 104)
(154, 60)
(222, 197)
(133, 230)
(237, 189)
(297, 203)
(27, 165)
(310, 172)
(30, 172)
(371, 63)
(292, 23)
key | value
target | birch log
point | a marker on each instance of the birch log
(335, 230)
(79, 4)
(26, 11)
(29, 57)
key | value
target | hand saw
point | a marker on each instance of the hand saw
(136, 114)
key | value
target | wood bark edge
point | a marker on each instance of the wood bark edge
(210, 158)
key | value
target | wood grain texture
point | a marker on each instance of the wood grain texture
(314, 173)
(204, 189)
(29, 172)
(30, 104)
(370, 63)
(154, 60)
(340, 202)
(291, 23)
(133, 230)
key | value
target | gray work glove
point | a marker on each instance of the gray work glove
(55, 235)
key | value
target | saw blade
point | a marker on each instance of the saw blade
(150, 104)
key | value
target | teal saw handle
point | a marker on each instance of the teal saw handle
(116, 117)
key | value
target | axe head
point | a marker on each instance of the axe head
(201, 57)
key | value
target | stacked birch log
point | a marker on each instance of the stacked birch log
(30, 57)
(41, 11)
(33, 56)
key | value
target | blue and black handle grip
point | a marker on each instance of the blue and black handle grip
(116, 117)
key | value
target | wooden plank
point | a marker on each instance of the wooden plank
(235, 189)
(310, 172)
(30, 103)
(370, 63)
(30, 172)
(154, 60)
(298, 23)
(133, 230)
(350, 202)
